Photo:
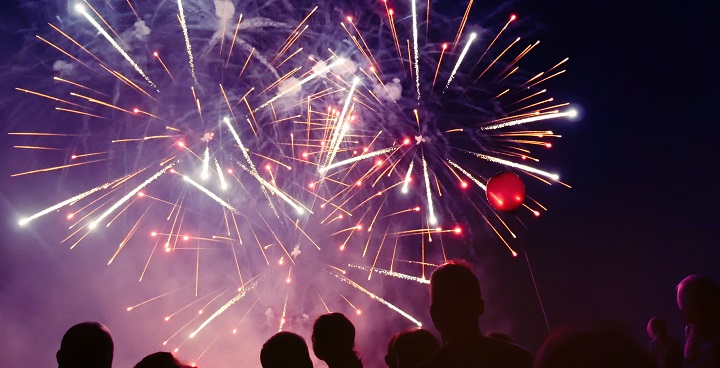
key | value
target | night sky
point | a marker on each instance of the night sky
(642, 214)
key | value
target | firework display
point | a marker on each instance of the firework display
(285, 146)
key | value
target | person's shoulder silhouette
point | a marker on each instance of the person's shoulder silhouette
(333, 341)
(86, 345)
(456, 306)
(285, 350)
(572, 347)
(161, 359)
(408, 348)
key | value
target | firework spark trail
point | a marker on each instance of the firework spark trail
(432, 220)
(209, 193)
(527, 168)
(284, 312)
(292, 202)
(476, 181)
(379, 299)
(221, 176)
(460, 59)
(124, 199)
(253, 169)
(415, 45)
(81, 10)
(227, 305)
(206, 164)
(351, 160)
(188, 48)
(399, 275)
(569, 114)
(64, 203)
(406, 182)
(340, 128)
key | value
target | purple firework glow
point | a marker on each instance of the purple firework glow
(266, 160)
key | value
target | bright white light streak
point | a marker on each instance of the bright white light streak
(481, 185)
(460, 59)
(127, 196)
(341, 126)
(323, 170)
(569, 114)
(26, 220)
(209, 193)
(206, 164)
(227, 305)
(431, 219)
(383, 272)
(253, 169)
(415, 45)
(527, 168)
(187, 41)
(284, 313)
(244, 150)
(407, 177)
(223, 183)
(379, 299)
(301, 82)
(300, 210)
(81, 9)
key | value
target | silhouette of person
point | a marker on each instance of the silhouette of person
(408, 348)
(456, 306)
(161, 359)
(573, 347)
(285, 350)
(698, 299)
(333, 341)
(664, 348)
(86, 345)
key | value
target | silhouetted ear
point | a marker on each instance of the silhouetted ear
(387, 361)
(58, 357)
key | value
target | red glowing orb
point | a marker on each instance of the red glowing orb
(505, 192)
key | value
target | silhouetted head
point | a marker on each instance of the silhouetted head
(456, 302)
(161, 359)
(408, 348)
(333, 336)
(698, 298)
(86, 345)
(572, 347)
(656, 327)
(285, 350)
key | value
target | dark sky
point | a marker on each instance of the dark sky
(642, 214)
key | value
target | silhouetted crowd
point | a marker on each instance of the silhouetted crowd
(456, 306)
